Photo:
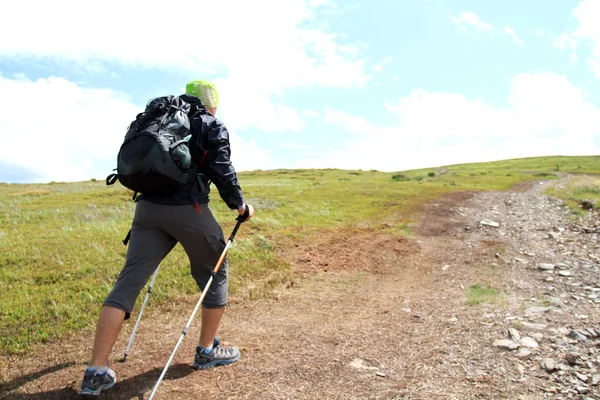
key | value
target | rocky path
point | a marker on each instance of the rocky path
(552, 323)
(375, 316)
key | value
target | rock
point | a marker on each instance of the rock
(506, 344)
(579, 336)
(537, 327)
(582, 389)
(585, 333)
(549, 365)
(529, 342)
(571, 358)
(493, 224)
(552, 331)
(514, 334)
(536, 310)
(381, 374)
(564, 331)
(564, 273)
(587, 204)
(538, 336)
(561, 266)
(563, 367)
(581, 377)
(553, 235)
(445, 267)
(545, 267)
(595, 380)
(523, 352)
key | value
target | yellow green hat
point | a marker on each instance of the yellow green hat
(205, 91)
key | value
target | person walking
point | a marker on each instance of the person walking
(162, 221)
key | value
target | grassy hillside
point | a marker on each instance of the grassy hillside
(61, 250)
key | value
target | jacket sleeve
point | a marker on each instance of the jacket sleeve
(217, 165)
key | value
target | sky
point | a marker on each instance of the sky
(389, 85)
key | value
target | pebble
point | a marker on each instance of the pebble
(529, 342)
(581, 377)
(564, 273)
(579, 336)
(506, 344)
(536, 310)
(582, 389)
(537, 336)
(595, 380)
(549, 365)
(493, 224)
(523, 352)
(563, 367)
(514, 334)
(564, 331)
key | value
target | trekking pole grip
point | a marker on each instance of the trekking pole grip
(240, 220)
(245, 215)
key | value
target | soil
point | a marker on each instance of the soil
(375, 316)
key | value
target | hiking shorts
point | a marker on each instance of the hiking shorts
(155, 230)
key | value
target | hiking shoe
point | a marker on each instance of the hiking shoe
(95, 382)
(219, 355)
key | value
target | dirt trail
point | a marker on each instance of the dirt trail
(374, 317)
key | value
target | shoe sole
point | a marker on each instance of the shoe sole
(97, 392)
(215, 363)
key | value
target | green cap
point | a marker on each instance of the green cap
(205, 91)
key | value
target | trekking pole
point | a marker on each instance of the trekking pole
(240, 219)
(140, 315)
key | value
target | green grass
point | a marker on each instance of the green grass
(61, 249)
(585, 187)
(477, 294)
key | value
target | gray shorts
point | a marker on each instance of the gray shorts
(155, 230)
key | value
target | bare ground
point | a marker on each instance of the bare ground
(371, 316)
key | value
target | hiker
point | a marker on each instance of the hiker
(162, 221)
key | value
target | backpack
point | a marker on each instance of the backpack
(155, 157)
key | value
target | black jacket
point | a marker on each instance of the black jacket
(210, 145)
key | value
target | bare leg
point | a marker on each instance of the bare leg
(109, 324)
(211, 318)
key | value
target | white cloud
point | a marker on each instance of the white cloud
(66, 131)
(71, 133)
(546, 115)
(513, 35)
(295, 146)
(257, 56)
(310, 113)
(587, 14)
(565, 42)
(470, 19)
